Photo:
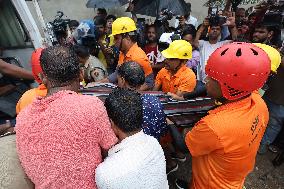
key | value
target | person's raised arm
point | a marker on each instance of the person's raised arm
(199, 32)
(15, 71)
(231, 23)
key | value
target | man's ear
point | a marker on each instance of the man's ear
(114, 127)
(128, 39)
(270, 34)
(43, 78)
(123, 82)
(40, 75)
(81, 76)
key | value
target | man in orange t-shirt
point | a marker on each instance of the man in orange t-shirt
(224, 144)
(28, 97)
(125, 35)
(176, 78)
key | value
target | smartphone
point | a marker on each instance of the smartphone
(222, 20)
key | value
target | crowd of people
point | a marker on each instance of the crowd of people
(68, 140)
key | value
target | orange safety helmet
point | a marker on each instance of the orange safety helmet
(240, 69)
(35, 62)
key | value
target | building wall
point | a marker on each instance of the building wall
(76, 9)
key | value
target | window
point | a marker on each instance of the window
(13, 34)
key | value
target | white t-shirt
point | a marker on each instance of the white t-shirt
(191, 20)
(136, 162)
(206, 49)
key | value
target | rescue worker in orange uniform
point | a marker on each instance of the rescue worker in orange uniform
(224, 144)
(176, 78)
(125, 39)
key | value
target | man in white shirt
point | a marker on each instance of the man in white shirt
(206, 48)
(189, 20)
(138, 161)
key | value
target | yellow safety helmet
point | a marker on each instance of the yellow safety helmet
(179, 49)
(123, 25)
(273, 54)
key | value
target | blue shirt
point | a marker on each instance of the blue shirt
(154, 118)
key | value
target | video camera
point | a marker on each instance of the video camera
(165, 15)
(59, 24)
(57, 29)
(217, 20)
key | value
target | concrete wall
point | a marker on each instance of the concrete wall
(76, 9)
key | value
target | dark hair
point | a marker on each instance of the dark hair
(264, 26)
(60, 65)
(73, 24)
(100, 21)
(133, 73)
(252, 15)
(241, 9)
(214, 21)
(276, 37)
(110, 16)
(132, 35)
(81, 51)
(189, 30)
(102, 11)
(148, 26)
(214, 24)
(124, 108)
(133, 38)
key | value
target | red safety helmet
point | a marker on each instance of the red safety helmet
(240, 68)
(35, 61)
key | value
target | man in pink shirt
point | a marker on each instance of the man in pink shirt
(60, 137)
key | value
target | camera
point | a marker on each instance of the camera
(57, 29)
(217, 20)
(166, 15)
(59, 24)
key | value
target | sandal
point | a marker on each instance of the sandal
(273, 148)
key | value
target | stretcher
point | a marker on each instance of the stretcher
(182, 113)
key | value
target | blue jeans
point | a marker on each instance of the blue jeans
(276, 120)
